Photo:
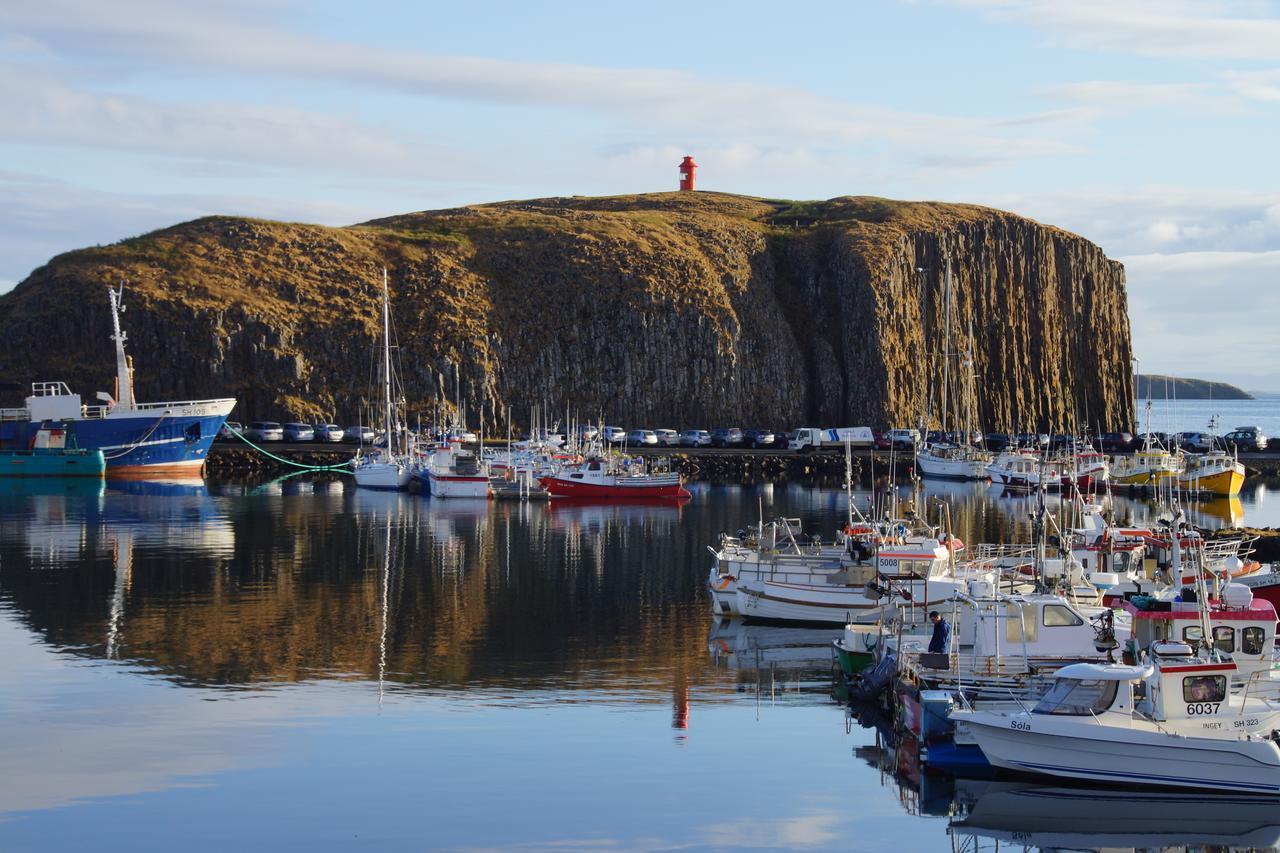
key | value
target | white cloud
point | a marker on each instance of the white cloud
(1158, 28)
(40, 108)
(1196, 313)
(46, 217)
(673, 101)
(1128, 96)
(1144, 220)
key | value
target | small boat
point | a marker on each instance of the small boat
(1214, 473)
(1185, 726)
(1026, 470)
(1147, 467)
(599, 477)
(50, 457)
(452, 472)
(384, 468)
(953, 462)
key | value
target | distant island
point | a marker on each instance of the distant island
(1153, 386)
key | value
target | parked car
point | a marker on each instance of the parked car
(299, 432)
(1246, 438)
(586, 432)
(1063, 441)
(997, 442)
(757, 437)
(327, 432)
(667, 437)
(358, 435)
(903, 439)
(642, 438)
(881, 440)
(264, 431)
(695, 438)
(1114, 442)
(726, 437)
(1034, 440)
(229, 430)
(614, 435)
(1196, 442)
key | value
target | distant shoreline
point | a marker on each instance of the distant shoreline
(1151, 386)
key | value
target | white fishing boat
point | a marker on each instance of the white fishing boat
(1027, 470)
(384, 468)
(915, 577)
(1173, 720)
(452, 472)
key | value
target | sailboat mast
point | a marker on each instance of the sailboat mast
(946, 344)
(386, 354)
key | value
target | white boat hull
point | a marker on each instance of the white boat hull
(834, 605)
(458, 487)
(951, 469)
(1135, 757)
(723, 590)
(382, 475)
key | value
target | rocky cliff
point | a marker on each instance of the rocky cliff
(664, 310)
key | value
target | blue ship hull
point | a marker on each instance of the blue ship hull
(148, 442)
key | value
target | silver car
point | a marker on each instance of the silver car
(695, 438)
(327, 432)
(358, 435)
(299, 432)
(667, 437)
(642, 437)
(264, 431)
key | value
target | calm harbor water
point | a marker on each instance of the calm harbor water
(300, 665)
(1216, 416)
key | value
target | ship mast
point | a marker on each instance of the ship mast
(386, 355)
(124, 376)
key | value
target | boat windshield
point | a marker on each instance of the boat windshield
(1077, 696)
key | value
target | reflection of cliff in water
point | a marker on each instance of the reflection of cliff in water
(254, 585)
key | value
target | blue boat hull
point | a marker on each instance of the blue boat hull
(144, 444)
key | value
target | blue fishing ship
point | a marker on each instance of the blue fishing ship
(136, 439)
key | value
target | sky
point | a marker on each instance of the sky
(1149, 128)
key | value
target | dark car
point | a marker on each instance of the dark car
(997, 442)
(1246, 438)
(726, 437)
(1034, 440)
(1114, 442)
(1063, 441)
(881, 440)
(757, 437)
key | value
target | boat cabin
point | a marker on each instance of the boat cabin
(1243, 627)
(1034, 626)
(1092, 689)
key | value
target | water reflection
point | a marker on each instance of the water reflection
(289, 636)
(1077, 818)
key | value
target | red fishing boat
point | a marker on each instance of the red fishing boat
(598, 478)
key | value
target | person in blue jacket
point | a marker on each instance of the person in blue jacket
(941, 633)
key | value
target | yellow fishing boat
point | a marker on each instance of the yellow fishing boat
(1213, 473)
(1147, 467)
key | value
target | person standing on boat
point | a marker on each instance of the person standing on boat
(941, 633)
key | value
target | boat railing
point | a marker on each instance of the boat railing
(22, 414)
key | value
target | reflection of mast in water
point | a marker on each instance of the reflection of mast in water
(386, 588)
(680, 703)
(122, 558)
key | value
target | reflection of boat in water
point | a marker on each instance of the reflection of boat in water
(1033, 815)
(25, 487)
(737, 645)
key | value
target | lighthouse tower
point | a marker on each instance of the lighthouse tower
(687, 169)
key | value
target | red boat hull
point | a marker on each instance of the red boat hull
(574, 489)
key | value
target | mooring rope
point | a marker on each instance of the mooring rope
(345, 466)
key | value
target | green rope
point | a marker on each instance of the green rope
(345, 466)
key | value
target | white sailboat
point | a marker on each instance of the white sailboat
(384, 468)
(953, 457)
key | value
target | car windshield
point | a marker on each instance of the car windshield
(1078, 696)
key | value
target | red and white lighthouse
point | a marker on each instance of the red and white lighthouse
(687, 169)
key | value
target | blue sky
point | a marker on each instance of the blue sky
(1147, 127)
